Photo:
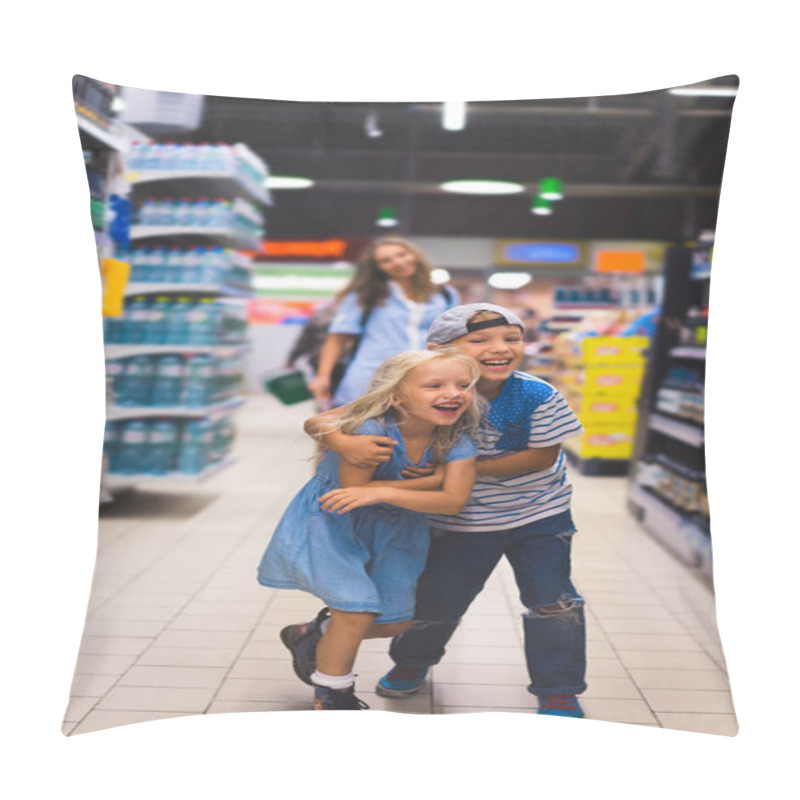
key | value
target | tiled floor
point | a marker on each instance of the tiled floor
(178, 625)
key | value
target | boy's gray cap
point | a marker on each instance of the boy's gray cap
(452, 324)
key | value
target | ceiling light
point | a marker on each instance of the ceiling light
(550, 189)
(439, 275)
(371, 127)
(482, 187)
(287, 182)
(705, 91)
(387, 217)
(509, 280)
(541, 207)
(454, 116)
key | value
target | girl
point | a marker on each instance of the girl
(385, 309)
(357, 537)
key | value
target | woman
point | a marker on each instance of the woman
(386, 308)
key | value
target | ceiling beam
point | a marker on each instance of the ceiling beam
(570, 189)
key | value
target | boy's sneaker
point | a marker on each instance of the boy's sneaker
(401, 681)
(302, 640)
(326, 699)
(560, 706)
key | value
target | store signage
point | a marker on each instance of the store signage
(536, 252)
(629, 262)
(330, 248)
(275, 311)
(299, 280)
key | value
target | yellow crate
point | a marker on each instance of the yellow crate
(612, 380)
(614, 349)
(604, 441)
(607, 409)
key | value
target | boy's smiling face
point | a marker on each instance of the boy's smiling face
(498, 351)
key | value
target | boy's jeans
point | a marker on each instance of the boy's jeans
(458, 566)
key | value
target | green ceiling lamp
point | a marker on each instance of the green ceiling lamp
(387, 217)
(540, 206)
(551, 189)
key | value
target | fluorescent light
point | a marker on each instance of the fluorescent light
(482, 187)
(509, 280)
(287, 182)
(439, 275)
(371, 126)
(705, 91)
(454, 116)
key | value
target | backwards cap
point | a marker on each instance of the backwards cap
(454, 322)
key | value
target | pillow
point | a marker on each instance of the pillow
(210, 271)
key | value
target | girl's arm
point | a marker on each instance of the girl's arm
(360, 450)
(320, 385)
(450, 499)
(519, 463)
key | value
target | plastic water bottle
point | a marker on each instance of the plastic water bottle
(169, 155)
(168, 381)
(156, 329)
(199, 380)
(173, 265)
(191, 265)
(203, 156)
(152, 156)
(162, 447)
(134, 320)
(196, 440)
(187, 157)
(131, 447)
(196, 319)
(177, 327)
(110, 444)
(135, 383)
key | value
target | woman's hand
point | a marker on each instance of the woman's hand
(340, 501)
(320, 387)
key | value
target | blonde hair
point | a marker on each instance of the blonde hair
(386, 384)
(371, 284)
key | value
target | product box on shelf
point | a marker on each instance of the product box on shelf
(604, 441)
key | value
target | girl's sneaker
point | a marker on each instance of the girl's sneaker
(560, 706)
(401, 681)
(302, 640)
(326, 699)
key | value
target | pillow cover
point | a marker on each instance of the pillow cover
(211, 266)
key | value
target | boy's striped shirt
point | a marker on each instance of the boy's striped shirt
(502, 503)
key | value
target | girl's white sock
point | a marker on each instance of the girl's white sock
(333, 681)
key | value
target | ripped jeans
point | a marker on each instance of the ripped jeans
(458, 565)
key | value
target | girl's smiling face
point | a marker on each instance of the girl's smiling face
(438, 392)
(498, 350)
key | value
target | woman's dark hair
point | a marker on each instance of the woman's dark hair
(371, 284)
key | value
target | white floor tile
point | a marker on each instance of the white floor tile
(177, 623)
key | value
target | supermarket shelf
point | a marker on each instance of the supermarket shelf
(96, 132)
(232, 238)
(187, 288)
(690, 434)
(114, 413)
(597, 466)
(114, 351)
(671, 528)
(698, 353)
(113, 480)
(183, 181)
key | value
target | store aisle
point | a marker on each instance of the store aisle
(178, 625)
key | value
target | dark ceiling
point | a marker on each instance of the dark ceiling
(637, 166)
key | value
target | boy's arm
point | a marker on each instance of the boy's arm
(360, 450)
(450, 499)
(518, 463)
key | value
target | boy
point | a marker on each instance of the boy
(519, 508)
